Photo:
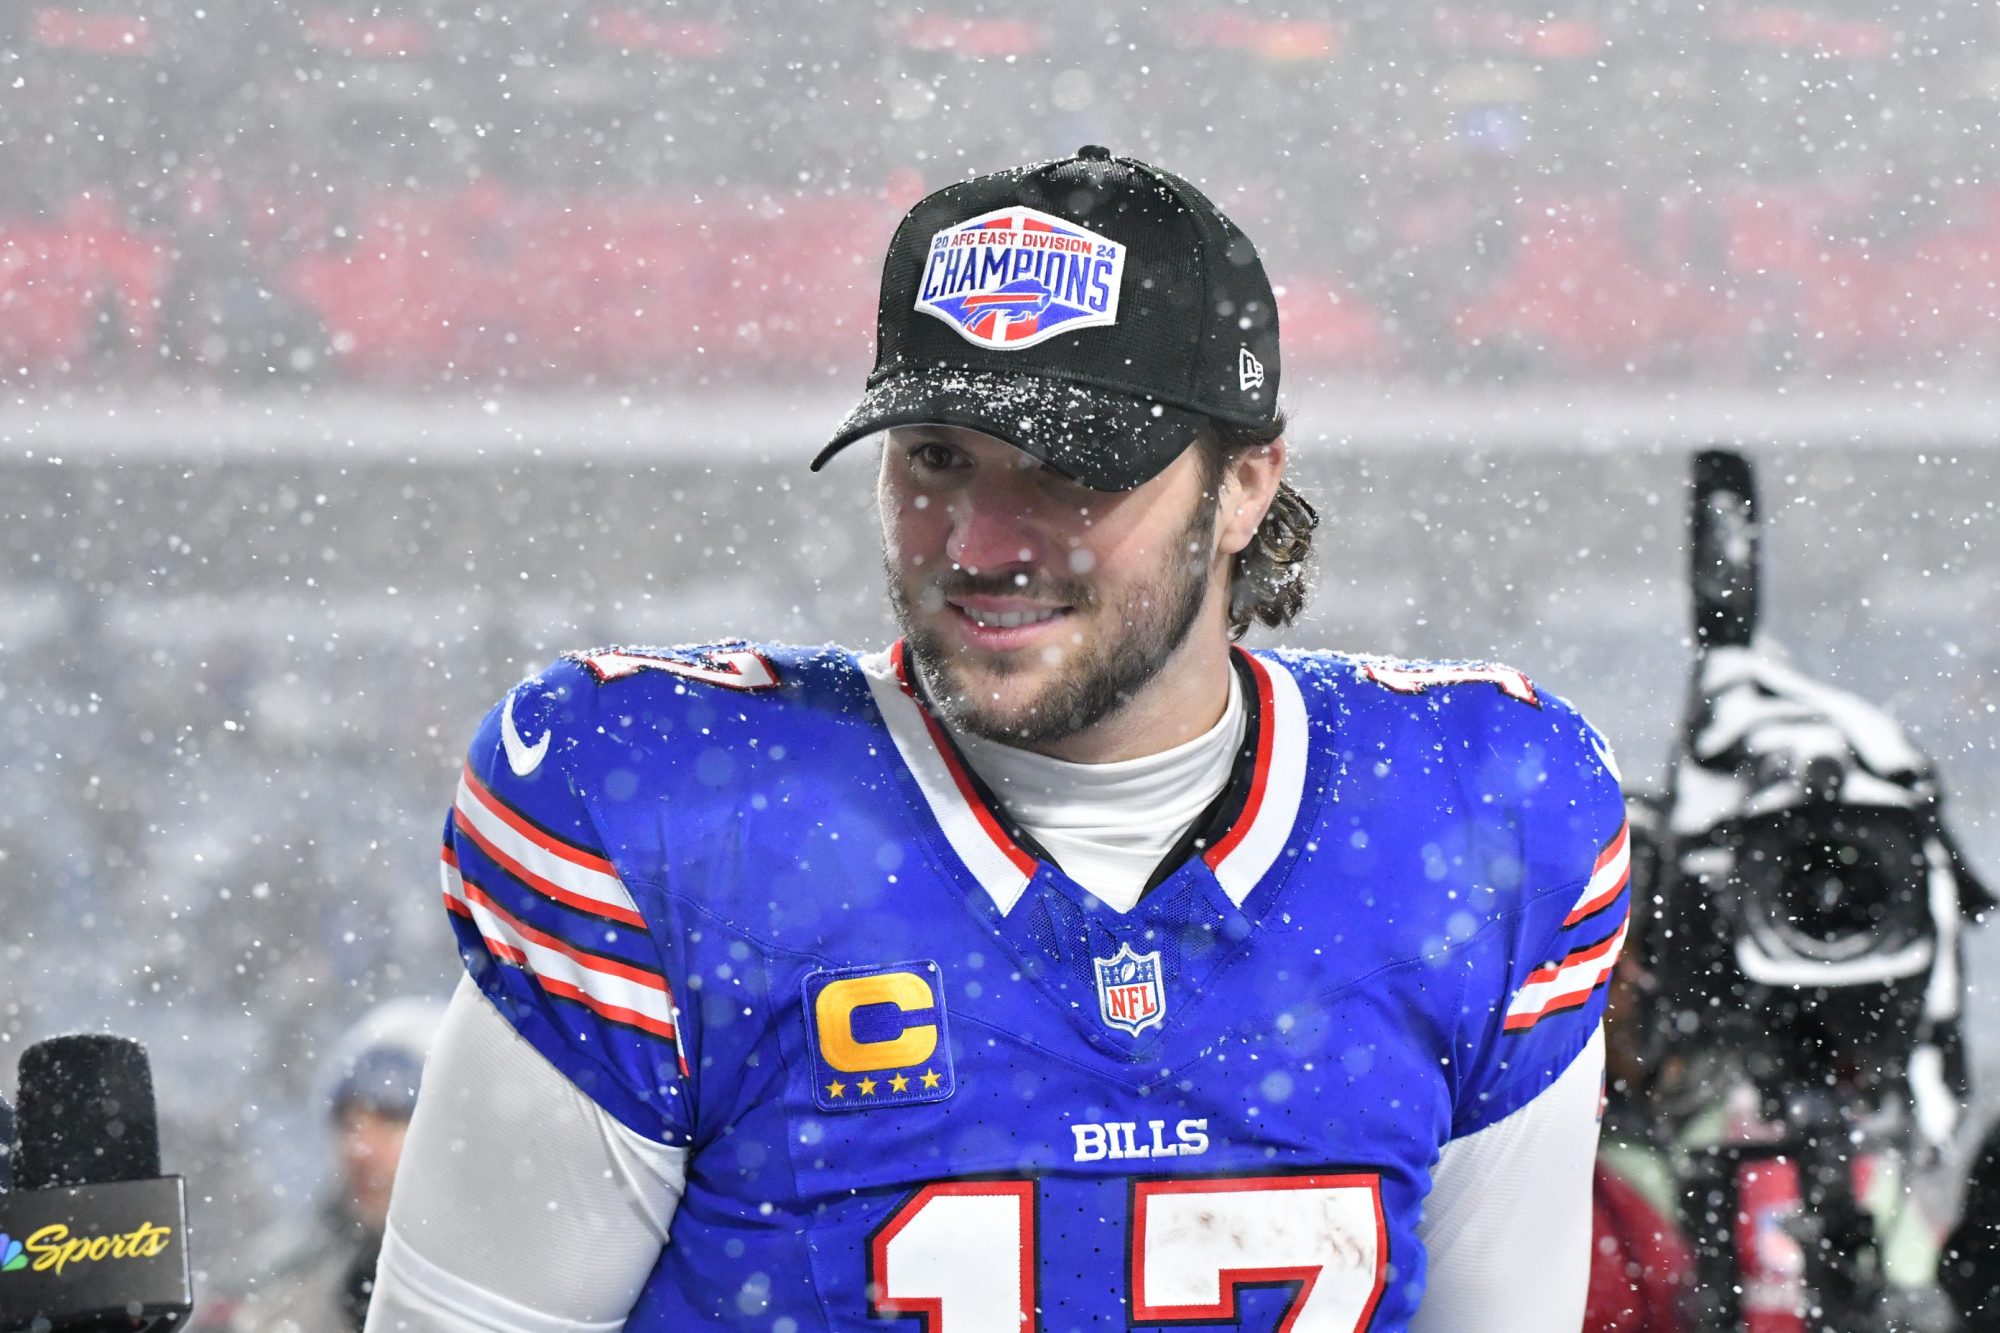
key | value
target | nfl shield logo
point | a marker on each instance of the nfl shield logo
(1129, 995)
(1017, 276)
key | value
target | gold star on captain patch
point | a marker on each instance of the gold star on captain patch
(836, 1089)
(899, 1084)
(867, 1086)
(930, 1079)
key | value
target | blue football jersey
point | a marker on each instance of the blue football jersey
(753, 902)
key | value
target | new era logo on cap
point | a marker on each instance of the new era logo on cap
(1249, 370)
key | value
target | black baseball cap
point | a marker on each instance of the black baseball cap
(1092, 312)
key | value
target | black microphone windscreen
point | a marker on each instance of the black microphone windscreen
(86, 1115)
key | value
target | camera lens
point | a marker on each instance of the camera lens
(1837, 889)
(1833, 884)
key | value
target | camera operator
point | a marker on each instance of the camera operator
(1809, 959)
(1969, 1267)
(1641, 1267)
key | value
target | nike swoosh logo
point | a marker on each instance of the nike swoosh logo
(522, 757)
(1597, 744)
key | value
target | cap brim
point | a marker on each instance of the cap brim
(1100, 439)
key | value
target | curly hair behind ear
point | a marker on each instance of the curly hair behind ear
(1272, 576)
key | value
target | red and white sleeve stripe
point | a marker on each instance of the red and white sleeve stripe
(1608, 877)
(558, 870)
(1567, 984)
(614, 989)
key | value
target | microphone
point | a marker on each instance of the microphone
(92, 1237)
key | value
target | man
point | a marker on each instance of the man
(322, 1279)
(1063, 966)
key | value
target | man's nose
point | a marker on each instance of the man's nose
(993, 528)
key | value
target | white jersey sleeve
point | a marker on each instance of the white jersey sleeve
(520, 1204)
(1506, 1229)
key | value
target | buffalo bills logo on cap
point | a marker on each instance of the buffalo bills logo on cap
(1014, 277)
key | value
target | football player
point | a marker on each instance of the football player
(1065, 965)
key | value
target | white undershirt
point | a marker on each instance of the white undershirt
(1109, 825)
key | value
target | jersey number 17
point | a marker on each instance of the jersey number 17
(943, 1254)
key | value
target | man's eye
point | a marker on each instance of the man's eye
(933, 457)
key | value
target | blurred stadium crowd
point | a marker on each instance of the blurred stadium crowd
(395, 192)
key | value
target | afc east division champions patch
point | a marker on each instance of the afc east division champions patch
(1012, 278)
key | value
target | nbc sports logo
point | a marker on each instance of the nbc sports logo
(12, 1259)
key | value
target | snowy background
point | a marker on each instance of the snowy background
(359, 358)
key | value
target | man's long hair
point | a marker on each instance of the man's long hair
(1270, 578)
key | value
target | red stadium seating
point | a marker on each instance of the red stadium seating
(76, 289)
(483, 283)
(1327, 327)
(543, 287)
(1574, 293)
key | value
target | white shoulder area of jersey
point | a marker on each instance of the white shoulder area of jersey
(1402, 676)
(731, 665)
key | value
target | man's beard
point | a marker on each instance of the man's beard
(1092, 682)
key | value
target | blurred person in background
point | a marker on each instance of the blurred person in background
(1969, 1263)
(1641, 1265)
(322, 1280)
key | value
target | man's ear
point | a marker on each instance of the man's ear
(1249, 484)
